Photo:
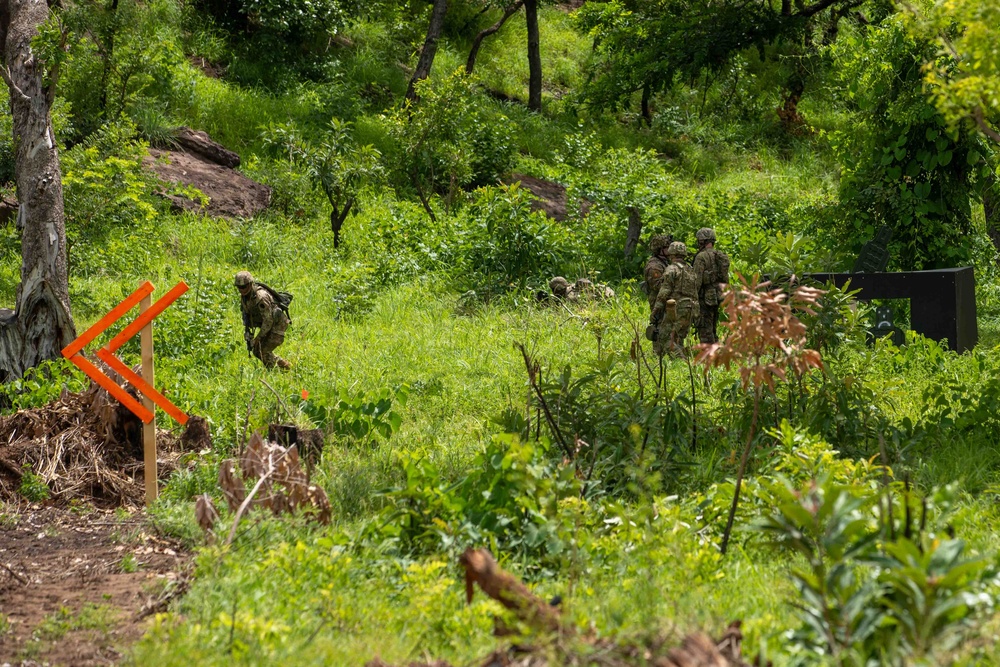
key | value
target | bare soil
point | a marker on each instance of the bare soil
(230, 193)
(77, 586)
(549, 196)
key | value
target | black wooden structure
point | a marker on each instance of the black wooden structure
(942, 302)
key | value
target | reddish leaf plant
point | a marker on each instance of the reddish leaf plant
(766, 342)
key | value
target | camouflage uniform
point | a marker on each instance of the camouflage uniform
(561, 289)
(263, 313)
(712, 267)
(656, 265)
(673, 321)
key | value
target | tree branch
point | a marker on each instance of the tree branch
(483, 34)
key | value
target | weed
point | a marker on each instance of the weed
(129, 563)
(33, 487)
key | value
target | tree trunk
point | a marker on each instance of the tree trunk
(991, 209)
(478, 41)
(337, 218)
(634, 231)
(534, 56)
(430, 47)
(42, 323)
(647, 93)
(109, 52)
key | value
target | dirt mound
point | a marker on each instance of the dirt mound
(230, 193)
(549, 195)
(85, 446)
(76, 586)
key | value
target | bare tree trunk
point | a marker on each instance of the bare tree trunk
(430, 47)
(534, 56)
(42, 323)
(483, 34)
(634, 231)
(647, 93)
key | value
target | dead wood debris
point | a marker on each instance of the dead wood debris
(559, 644)
(84, 446)
(278, 484)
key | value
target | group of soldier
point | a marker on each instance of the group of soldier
(682, 294)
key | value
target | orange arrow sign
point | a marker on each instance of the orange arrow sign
(106, 353)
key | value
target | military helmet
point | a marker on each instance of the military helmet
(558, 282)
(677, 249)
(243, 279)
(658, 242)
(705, 235)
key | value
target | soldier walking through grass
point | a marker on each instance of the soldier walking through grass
(712, 267)
(676, 303)
(262, 310)
(656, 265)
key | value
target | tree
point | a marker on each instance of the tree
(336, 164)
(643, 45)
(508, 11)
(901, 164)
(41, 324)
(341, 168)
(965, 80)
(534, 56)
(427, 53)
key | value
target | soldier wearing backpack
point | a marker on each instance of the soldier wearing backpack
(266, 310)
(712, 267)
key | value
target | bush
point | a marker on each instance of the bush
(505, 244)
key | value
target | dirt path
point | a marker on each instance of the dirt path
(77, 587)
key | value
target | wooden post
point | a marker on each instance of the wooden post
(148, 430)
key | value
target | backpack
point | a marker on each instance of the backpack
(283, 299)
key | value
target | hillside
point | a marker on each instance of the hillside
(458, 409)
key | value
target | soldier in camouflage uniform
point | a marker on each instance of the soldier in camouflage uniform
(712, 267)
(656, 265)
(562, 289)
(676, 303)
(260, 311)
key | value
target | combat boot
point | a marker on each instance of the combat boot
(284, 364)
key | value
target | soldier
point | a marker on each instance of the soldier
(261, 310)
(656, 265)
(712, 267)
(561, 289)
(676, 303)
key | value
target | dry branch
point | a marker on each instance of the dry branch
(481, 568)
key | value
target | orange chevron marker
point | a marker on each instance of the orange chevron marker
(73, 352)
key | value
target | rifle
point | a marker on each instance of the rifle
(247, 335)
(658, 317)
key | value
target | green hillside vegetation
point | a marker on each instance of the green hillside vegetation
(865, 531)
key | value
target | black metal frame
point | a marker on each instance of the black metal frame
(942, 302)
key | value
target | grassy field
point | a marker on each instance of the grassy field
(398, 314)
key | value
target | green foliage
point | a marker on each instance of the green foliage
(872, 590)
(104, 183)
(357, 416)
(506, 244)
(41, 385)
(965, 80)
(514, 496)
(449, 139)
(336, 164)
(902, 166)
(117, 55)
(33, 487)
